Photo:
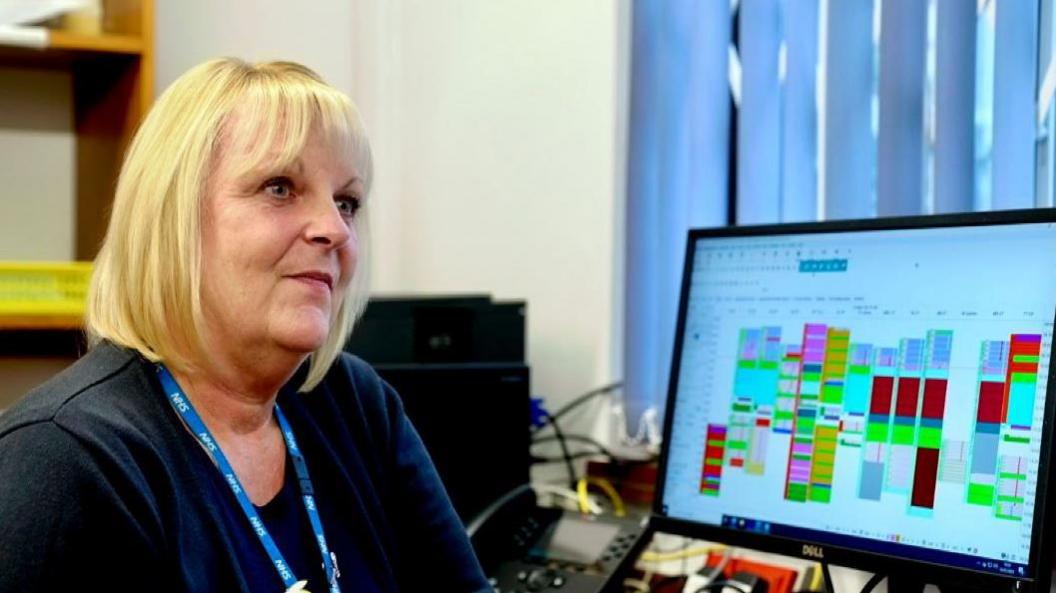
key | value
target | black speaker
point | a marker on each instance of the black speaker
(458, 364)
(440, 330)
(473, 419)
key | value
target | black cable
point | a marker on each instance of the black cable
(561, 459)
(564, 448)
(615, 460)
(578, 438)
(517, 495)
(873, 582)
(578, 401)
(828, 577)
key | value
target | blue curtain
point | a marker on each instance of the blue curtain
(789, 110)
(677, 172)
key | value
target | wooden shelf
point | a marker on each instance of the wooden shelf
(106, 43)
(17, 322)
(112, 78)
(59, 47)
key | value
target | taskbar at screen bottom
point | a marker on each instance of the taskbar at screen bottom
(889, 548)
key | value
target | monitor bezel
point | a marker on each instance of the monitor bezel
(1041, 546)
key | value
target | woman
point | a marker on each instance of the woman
(214, 438)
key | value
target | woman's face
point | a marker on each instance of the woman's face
(278, 248)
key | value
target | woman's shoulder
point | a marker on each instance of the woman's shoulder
(66, 478)
(81, 425)
(92, 393)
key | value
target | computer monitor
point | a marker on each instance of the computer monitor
(874, 394)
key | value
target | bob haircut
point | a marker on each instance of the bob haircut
(145, 291)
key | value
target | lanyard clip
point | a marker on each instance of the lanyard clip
(337, 571)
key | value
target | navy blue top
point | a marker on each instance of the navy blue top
(283, 516)
(101, 486)
(288, 524)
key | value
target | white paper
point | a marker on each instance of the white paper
(35, 37)
(24, 12)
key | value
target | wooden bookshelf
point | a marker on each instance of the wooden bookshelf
(42, 322)
(105, 43)
(113, 86)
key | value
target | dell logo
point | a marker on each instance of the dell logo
(813, 551)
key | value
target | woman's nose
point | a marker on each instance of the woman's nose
(326, 225)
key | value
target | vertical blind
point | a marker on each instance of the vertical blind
(764, 111)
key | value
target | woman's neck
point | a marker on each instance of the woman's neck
(238, 408)
(235, 400)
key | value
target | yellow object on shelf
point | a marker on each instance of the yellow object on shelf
(36, 289)
(87, 20)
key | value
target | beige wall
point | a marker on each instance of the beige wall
(36, 155)
(314, 33)
(37, 147)
(495, 128)
(20, 374)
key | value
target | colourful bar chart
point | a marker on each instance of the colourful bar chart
(755, 395)
(953, 461)
(742, 410)
(787, 385)
(764, 396)
(856, 394)
(886, 407)
(808, 392)
(714, 453)
(827, 423)
(929, 442)
(1021, 382)
(878, 425)
(993, 369)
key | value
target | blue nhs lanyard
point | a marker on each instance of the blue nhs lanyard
(186, 410)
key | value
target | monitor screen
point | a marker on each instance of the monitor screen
(879, 390)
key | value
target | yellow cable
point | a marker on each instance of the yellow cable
(815, 583)
(606, 487)
(637, 584)
(641, 585)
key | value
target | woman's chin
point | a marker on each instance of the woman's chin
(306, 335)
(303, 344)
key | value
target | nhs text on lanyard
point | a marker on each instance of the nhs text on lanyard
(186, 410)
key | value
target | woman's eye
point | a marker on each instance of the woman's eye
(279, 187)
(347, 205)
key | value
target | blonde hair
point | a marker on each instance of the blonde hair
(145, 292)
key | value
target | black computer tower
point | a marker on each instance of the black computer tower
(458, 365)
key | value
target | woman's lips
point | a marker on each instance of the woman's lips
(320, 280)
